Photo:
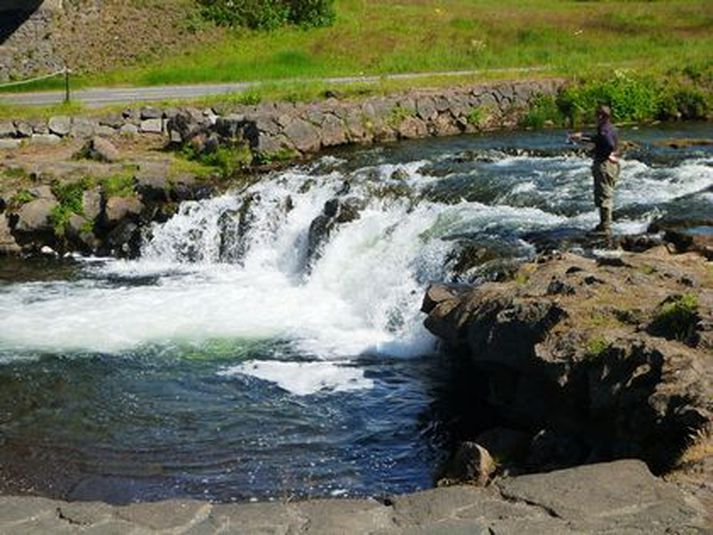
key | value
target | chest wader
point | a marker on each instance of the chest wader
(606, 173)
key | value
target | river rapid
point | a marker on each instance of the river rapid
(268, 343)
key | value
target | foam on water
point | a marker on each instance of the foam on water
(304, 378)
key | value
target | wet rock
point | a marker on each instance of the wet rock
(335, 211)
(471, 464)
(80, 233)
(467, 257)
(438, 293)
(124, 240)
(234, 227)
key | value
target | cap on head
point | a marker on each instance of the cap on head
(604, 111)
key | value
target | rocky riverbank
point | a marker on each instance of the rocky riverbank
(94, 184)
(620, 497)
(586, 359)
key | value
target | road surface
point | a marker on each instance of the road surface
(99, 97)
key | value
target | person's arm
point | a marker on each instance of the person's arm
(579, 136)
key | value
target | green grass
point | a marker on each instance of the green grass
(596, 346)
(119, 185)
(382, 36)
(10, 111)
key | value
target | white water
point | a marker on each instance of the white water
(362, 295)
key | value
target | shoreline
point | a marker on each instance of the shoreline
(618, 496)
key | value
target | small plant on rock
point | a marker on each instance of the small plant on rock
(20, 198)
(676, 318)
(596, 347)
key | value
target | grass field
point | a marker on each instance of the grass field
(383, 36)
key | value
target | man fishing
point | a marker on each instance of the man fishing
(605, 167)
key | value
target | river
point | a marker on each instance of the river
(247, 357)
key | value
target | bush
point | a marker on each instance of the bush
(676, 318)
(269, 14)
(631, 99)
(684, 103)
(543, 110)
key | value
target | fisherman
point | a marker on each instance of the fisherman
(605, 167)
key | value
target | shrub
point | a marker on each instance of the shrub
(543, 110)
(631, 99)
(312, 13)
(269, 14)
(684, 103)
(69, 197)
(676, 317)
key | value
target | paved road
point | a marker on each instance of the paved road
(98, 97)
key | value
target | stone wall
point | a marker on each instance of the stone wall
(273, 128)
(26, 44)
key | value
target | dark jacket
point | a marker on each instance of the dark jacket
(605, 141)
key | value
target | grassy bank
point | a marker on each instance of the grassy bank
(382, 36)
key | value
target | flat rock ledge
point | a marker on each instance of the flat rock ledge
(618, 497)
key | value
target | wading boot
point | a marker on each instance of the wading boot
(605, 221)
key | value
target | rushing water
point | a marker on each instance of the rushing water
(244, 356)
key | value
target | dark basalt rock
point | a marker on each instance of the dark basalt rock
(335, 212)
(569, 345)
